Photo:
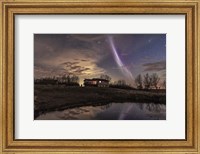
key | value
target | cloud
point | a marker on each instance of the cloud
(69, 64)
(156, 66)
(80, 62)
(88, 37)
(75, 68)
(42, 70)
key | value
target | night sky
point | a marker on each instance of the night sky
(121, 56)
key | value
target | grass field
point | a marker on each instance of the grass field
(57, 97)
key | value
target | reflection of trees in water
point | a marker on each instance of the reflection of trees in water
(150, 107)
(141, 106)
(104, 107)
(154, 107)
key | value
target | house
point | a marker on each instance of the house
(96, 82)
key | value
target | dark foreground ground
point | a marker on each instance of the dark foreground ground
(56, 97)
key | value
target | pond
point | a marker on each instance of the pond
(112, 111)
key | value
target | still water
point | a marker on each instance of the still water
(112, 111)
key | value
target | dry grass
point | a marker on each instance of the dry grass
(57, 97)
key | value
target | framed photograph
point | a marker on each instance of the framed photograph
(99, 76)
(92, 77)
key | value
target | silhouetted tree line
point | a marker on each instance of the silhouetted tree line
(149, 81)
(69, 80)
(121, 84)
(142, 82)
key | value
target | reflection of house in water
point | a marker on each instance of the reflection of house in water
(96, 82)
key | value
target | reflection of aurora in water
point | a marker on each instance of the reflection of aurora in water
(112, 111)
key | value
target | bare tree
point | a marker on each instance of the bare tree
(68, 79)
(155, 80)
(147, 81)
(164, 84)
(107, 77)
(74, 79)
(138, 81)
(121, 82)
(64, 79)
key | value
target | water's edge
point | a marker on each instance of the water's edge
(109, 111)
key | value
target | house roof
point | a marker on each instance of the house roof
(96, 79)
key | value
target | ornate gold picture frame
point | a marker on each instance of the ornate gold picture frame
(10, 8)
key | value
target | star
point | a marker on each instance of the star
(149, 40)
(98, 42)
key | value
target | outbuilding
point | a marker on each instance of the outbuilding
(96, 82)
